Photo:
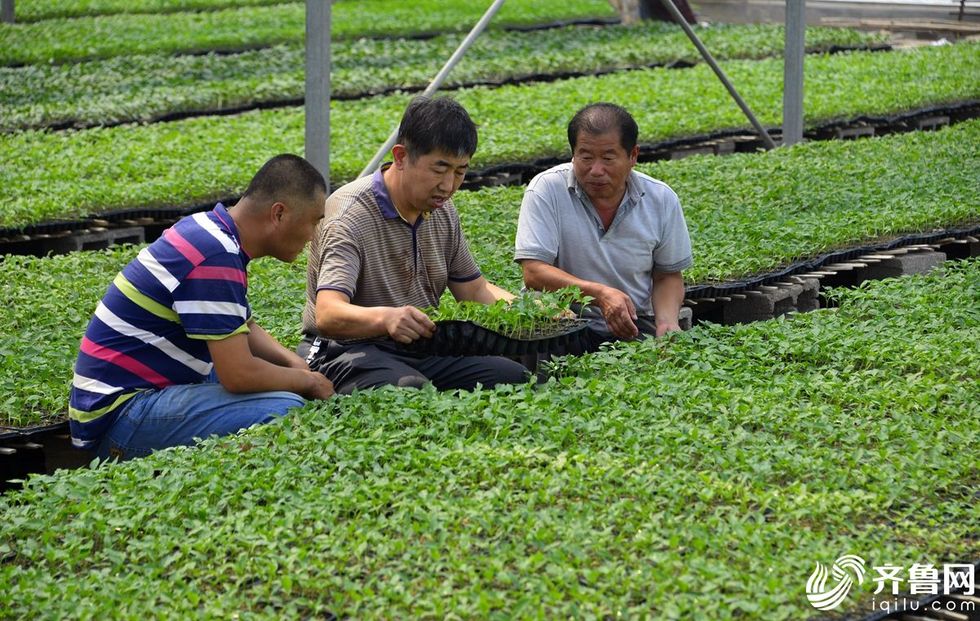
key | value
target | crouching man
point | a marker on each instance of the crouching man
(172, 353)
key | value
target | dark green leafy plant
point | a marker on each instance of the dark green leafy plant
(695, 477)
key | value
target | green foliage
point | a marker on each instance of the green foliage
(47, 303)
(528, 315)
(37, 10)
(142, 88)
(696, 477)
(65, 174)
(746, 213)
(238, 29)
(751, 213)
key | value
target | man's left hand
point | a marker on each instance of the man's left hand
(664, 328)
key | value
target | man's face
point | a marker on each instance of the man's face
(432, 179)
(601, 165)
(296, 226)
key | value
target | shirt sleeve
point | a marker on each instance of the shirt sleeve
(211, 301)
(673, 253)
(339, 260)
(462, 266)
(537, 226)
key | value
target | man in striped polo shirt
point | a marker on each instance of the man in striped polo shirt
(392, 244)
(172, 353)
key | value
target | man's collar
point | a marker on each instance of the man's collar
(227, 223)
(385, 203)
(387, 208)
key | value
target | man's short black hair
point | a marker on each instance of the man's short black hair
(286, 175)
(600, 118)
(437, 124)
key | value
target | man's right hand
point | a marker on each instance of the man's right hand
(619, 313)
(319, 387)
(406, 324)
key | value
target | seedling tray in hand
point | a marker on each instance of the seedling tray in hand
(465, 338)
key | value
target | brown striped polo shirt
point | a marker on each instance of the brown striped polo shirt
(365, 249)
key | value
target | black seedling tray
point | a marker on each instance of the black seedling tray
(465, 338)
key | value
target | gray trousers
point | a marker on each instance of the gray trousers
(369, 365)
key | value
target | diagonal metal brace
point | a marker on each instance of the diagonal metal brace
(708, 58)
(438, 80)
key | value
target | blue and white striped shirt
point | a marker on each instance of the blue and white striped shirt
(152, 326)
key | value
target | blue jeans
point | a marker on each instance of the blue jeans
(176, 415)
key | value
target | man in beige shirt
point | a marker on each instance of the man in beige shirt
(390, 245)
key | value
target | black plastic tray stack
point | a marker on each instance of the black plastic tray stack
(465, 338)
(39, 449)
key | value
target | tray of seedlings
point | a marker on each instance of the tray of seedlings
(533, 322)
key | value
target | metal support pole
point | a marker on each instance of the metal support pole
(721, 74)
(438, 80)
(317, 103)
(7, 11)
(793, 71)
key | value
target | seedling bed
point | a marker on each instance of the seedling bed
(727, 141)
(298, 100)
(56, 191)
(808, 265)
(234, 28)
(35, 239)
(45, 448)
(717, 465)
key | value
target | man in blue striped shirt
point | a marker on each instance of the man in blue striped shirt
(172, 353)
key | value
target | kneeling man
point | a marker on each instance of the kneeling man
(618, 235)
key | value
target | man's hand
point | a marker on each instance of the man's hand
(242, 372)
(406, 324)
(619, 312)
(319, 386)
(668, 295)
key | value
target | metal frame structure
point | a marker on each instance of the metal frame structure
(7, 11)
(317, 135)
(793, 71)
(317, 97)
(438, 80)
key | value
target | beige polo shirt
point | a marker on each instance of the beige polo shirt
(366, 250)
